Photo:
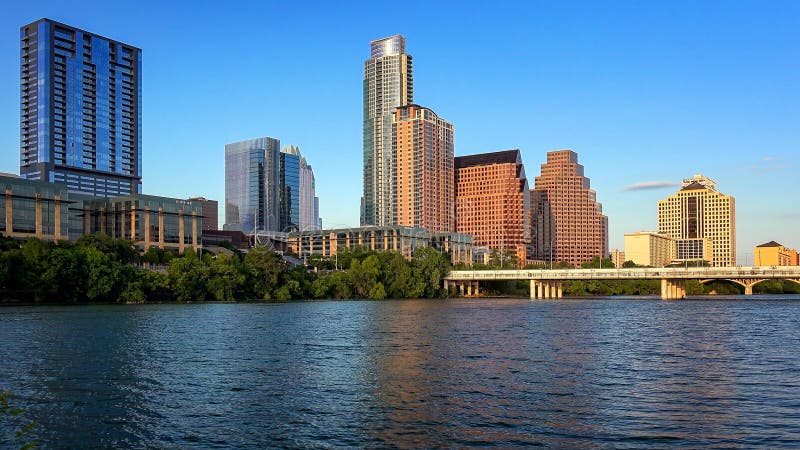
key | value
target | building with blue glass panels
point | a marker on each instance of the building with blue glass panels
(80, 110)
(290, 192)
(252, 185)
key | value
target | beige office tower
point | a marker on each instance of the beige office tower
(423, 181)
(387, 85)
(567, 220)
(697, 214)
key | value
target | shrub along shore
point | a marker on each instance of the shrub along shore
(99, 269)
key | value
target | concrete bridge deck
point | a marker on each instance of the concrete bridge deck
(547, 283)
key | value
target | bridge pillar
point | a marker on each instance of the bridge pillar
(469, 289)
(748, 290)
(533, 289)
(673, 289)
(477, 289)
(461, 288)
(559, 290)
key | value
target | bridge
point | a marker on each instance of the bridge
(547, 284)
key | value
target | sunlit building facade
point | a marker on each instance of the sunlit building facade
(647, 248)
(567, 220)
(405, 240)
(696, 212)
(80, 110)
(146, 220)
(388, 84)
(48, 211)
(493, 201)
(422, 145)
(774, 254)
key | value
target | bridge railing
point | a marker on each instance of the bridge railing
(629, 273)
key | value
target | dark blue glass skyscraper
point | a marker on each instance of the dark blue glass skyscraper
(80, 110)
(290, 192)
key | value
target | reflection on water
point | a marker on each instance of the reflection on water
(631, 373)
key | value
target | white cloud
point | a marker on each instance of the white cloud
(645, 185)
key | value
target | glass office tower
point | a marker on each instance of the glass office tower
(80, 110)
(252, 177)
(290, 192)
(387, 85)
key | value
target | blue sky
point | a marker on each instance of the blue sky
(643, 91)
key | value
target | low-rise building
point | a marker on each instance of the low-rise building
(49, 212)
(774, 254)
(147, 221)
(34, 209)
(210, 213)
(406, 240)
(648, 248)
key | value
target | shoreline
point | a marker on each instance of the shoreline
(709, 297)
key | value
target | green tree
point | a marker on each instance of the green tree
(364, 274)
(119, 250)
(188, 277)
(429, 267)
(227, 278)
(503, 259)
(61, 280)
(101, 274)
(265, 268)
(595, 263)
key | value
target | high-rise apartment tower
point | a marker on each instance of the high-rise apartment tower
(80, 110)
(567, 221)
(387, 85)
(696, 214)
(422, 145)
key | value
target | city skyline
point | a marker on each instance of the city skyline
(718, 118)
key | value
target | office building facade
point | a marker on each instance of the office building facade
(289, 187)
(699, 211)
(252, 185)
(647, 248)
(388, 84)
(308, 202)
(80, 110)
(493, 201)
(567, 220)
(210, 213)
(422, 146)
(48, 211)
(147, 221)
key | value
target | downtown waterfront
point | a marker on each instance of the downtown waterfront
(632, 372)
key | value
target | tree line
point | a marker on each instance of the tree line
(97, 268)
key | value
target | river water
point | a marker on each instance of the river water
(450, 373)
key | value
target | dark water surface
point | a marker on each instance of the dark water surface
(454, 373)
